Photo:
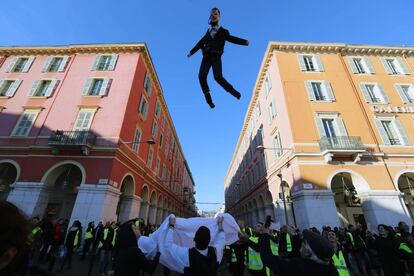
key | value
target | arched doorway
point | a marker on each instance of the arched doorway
(406, 186)
(348, 204)
(123, 209)
(143, 213)
(8, 175)
(269, 207)
(62, 184)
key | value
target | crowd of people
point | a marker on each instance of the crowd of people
(44, 247)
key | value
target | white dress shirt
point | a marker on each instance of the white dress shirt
(213, 30)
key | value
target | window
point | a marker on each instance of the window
(150, 156)
(25, 123)
(166, 149)
(143, 107)
(157, 166)
(395, 66)
(361, 65)
(137, 139)
(267, 84)
(161, 141)
(43, 88)
(84, 120)
(55, 64)
(154, 129)
(277, 144)
(406, 92)
(105, 62)
(20, 65)
(374, 93)
(358, 64)
(272, 111)
(97, 87)
(9, 87)
(163, 122)
(319, 91)
(157, 109)
(164, 172)
(147, 84)
(330, 125)
(310, 63)
(391, 131)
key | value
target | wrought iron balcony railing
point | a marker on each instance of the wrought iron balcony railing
(341, 143)
(72, 138)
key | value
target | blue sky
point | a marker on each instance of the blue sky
(171, 28)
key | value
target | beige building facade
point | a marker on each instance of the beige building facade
(333, 126)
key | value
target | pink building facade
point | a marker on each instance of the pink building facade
(85, 134)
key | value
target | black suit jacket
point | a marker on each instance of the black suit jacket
(209, 45)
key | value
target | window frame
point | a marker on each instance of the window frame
(92, 111)
(35, 113)
(136, 146)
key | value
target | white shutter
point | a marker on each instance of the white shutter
(382, 132)
(96, 62)
(341, 127)
(309, 88)
(383, 93)
(64, 63)
(105, 87)
(403, 66)
(1, 84)
(401, 131)
(34, 88)
(87, 86)
(318, 63)
(13, 88)
(269, 80)
(387, 68)
(319, 125)
(47, 64)
(52, 87)
(302, 64)
(369, 65)
(401, 93)
(365, 93)
(12, 64)
(112, 64)
(329, 92)
(28, 64)
(352, 65)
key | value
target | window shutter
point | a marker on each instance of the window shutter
(302, 64)
(365, 93)
(34, 88)
(403, 66)
(319, 125)
(309, 88)
(387, 68)
(105, 87)
(382, 132)
(383, 93)
(369, 65)
(341, 127)
(318, 63)
(402, 132)
(28, 64)
(87, 86)
(64, 64)
(269, 80)
(12, 64)
(352, 65)
(13, 88)
(112, 64)
(47, 64)
(1, 84)
(329, 91)
(52, 87)
(401, 93)
(96, 62)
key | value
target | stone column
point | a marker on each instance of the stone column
(386, 207)
(315, 208)
(143, 214)
(129, 208)
(152, 214)
(159, 216)
(30, 197)
(165, 214)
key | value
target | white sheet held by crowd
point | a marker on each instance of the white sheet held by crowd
(173, 240)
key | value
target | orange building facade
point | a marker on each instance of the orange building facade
(328, 137)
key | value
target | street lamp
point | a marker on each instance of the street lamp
(262, 149)
(150, 142)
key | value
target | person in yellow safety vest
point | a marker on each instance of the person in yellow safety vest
(36, 231)
(254, 262)
(105, 246)
(72, 241)
(406, 253)
(274, 243)
(286, 247)
(88, 239)
(339, 258)
(236, 257)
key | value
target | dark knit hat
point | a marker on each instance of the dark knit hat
(202, 238)
(319, 245)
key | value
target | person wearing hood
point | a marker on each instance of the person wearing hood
(131, 260)
(316, 256)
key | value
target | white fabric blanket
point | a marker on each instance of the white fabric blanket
(184, 232)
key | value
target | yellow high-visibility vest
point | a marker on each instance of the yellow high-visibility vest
(114, 237)
(88, 234)
(76, 239)
(275, 248)
(105, 235)
(340, 264)
(288, 243)
(351, 237)
(32, 234)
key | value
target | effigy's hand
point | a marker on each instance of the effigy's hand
(189, 55)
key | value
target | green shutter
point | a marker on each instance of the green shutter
(28, 64)
(402, 132)
(341, 127)
(403, 66)
(369, 65)
(365, 92)
(64, 63)
(383, 93)
(302, 64)
(47, 64)
(352, 65)
(386, 67)
(401, 93)
(112, 64)
(12, 64)
(52, 87)
(1, 84)
(96, 62)
(105, 87)
(87, 86)
(309, 88)
(382, 132)
(34, 88)
(13, 88)
(329, 91)
(319, 125)
(319, 63)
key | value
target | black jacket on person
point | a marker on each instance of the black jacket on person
(210, 45)
(294, 266)
(388, 254)
(201, 265)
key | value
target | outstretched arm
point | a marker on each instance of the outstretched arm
(178, 253)
(196, 48)
(220, 240)
(237, 40)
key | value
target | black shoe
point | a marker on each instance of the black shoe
(209, 100)
(235, 94)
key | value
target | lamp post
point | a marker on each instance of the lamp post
(149, 142)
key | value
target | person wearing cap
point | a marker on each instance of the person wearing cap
(339, 258)
(201, 260)
(316, 256)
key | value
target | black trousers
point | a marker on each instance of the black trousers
(213, 60)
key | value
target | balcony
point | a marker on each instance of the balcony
(341, 146)
(82, 139)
